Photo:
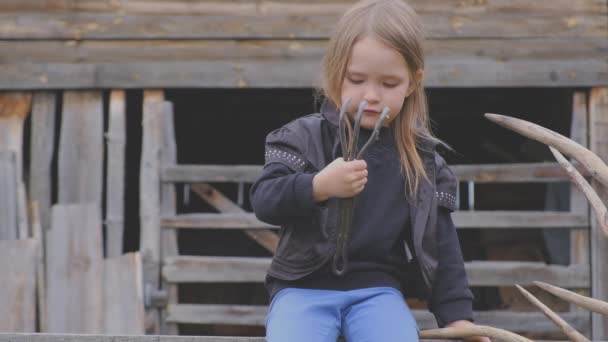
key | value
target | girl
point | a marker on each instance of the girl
(403, 238)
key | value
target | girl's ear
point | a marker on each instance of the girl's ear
(416, 82)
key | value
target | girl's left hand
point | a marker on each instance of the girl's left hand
(462, 324)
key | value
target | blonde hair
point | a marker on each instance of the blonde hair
(396, 24)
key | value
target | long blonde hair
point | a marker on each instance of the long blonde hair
(397, 25)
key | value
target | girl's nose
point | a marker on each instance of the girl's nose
(371, 95)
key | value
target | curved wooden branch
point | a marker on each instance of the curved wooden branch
(601, 213)
(594, 305)
(574, 335)
(596, 167)
(478, 330)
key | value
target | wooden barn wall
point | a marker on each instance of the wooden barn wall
(211, 43)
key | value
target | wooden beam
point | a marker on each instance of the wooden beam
(216, 221)
(266, 238)
(272, 20)
(598, 124)
(196, 269)
(286, 63)
(211, 173)
(8, 195)
(530, 322)
(519, 219)
(116, 140)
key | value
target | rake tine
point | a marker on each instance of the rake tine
(353, 147)
(376, 131)
(342, 128)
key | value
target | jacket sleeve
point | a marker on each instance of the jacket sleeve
(451, 298)
(283, 192)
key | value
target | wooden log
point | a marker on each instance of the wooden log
(265, 238)
(18, 285)
(304, 20)
(75, 271)
(8, 195)
(529, 322)
(123, 295)
(285, 63)
(598, 123)
(80, 160)
(149, 203)
(197, 269)
(41, 153)
(169, 244)
(116, 139)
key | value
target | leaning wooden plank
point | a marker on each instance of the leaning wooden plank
(519, 219)
(18, 285)
(116, 139)
(14, 108)
(530, 322)
(274, 20)
(39, 236)
(23, 226)
(41, 153)
(74, 270)
(266, 238)
(210, 269)
(123, 295)
(149, 203)
(80, 159)
(169, 245)
(217, 221)
(598, 124)
(8, 195)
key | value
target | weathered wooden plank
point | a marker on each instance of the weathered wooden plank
(519, 219)
(168, 206)
(80, 160)
(23, 225)
(14, 108)
(230, 63)
(18, 285)
(149, 202)
(531, 322)
(185, 269)
(298, 20)
(480, 173)
(462, 219)
(41, 153)
(74, 269)
(39, 236)
(8, 195)
(116, 139)
(598, 123)
(215, 220)
(123, 295)
(265, 238)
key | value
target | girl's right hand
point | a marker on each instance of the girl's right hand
(340, 179)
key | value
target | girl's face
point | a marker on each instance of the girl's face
(378, 74)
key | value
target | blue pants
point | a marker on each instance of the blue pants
(371, 314)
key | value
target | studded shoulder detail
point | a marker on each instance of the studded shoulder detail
(274, 155)
(446, 199)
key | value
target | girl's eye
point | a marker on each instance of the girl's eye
(391, 85)
(355, 81)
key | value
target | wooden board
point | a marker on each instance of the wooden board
(531, 322)
(18, 285)
(14, 108)
(271, 19)
(75, 270)
(8, 195)
(42, 144)
(287, 63)
(208, 269)
(116, 140)
(123, 295)
(80, 160)
(598, 133)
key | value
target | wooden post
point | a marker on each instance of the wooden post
(579, 238)
(168, 208)
(41, 153)
(598, 118)
(81, 148)
(115, 186)
(8, 195)
(149, 204)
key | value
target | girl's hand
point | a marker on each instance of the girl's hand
(462, 324)
(340, 179)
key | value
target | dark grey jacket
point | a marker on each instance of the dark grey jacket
(307, 238)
